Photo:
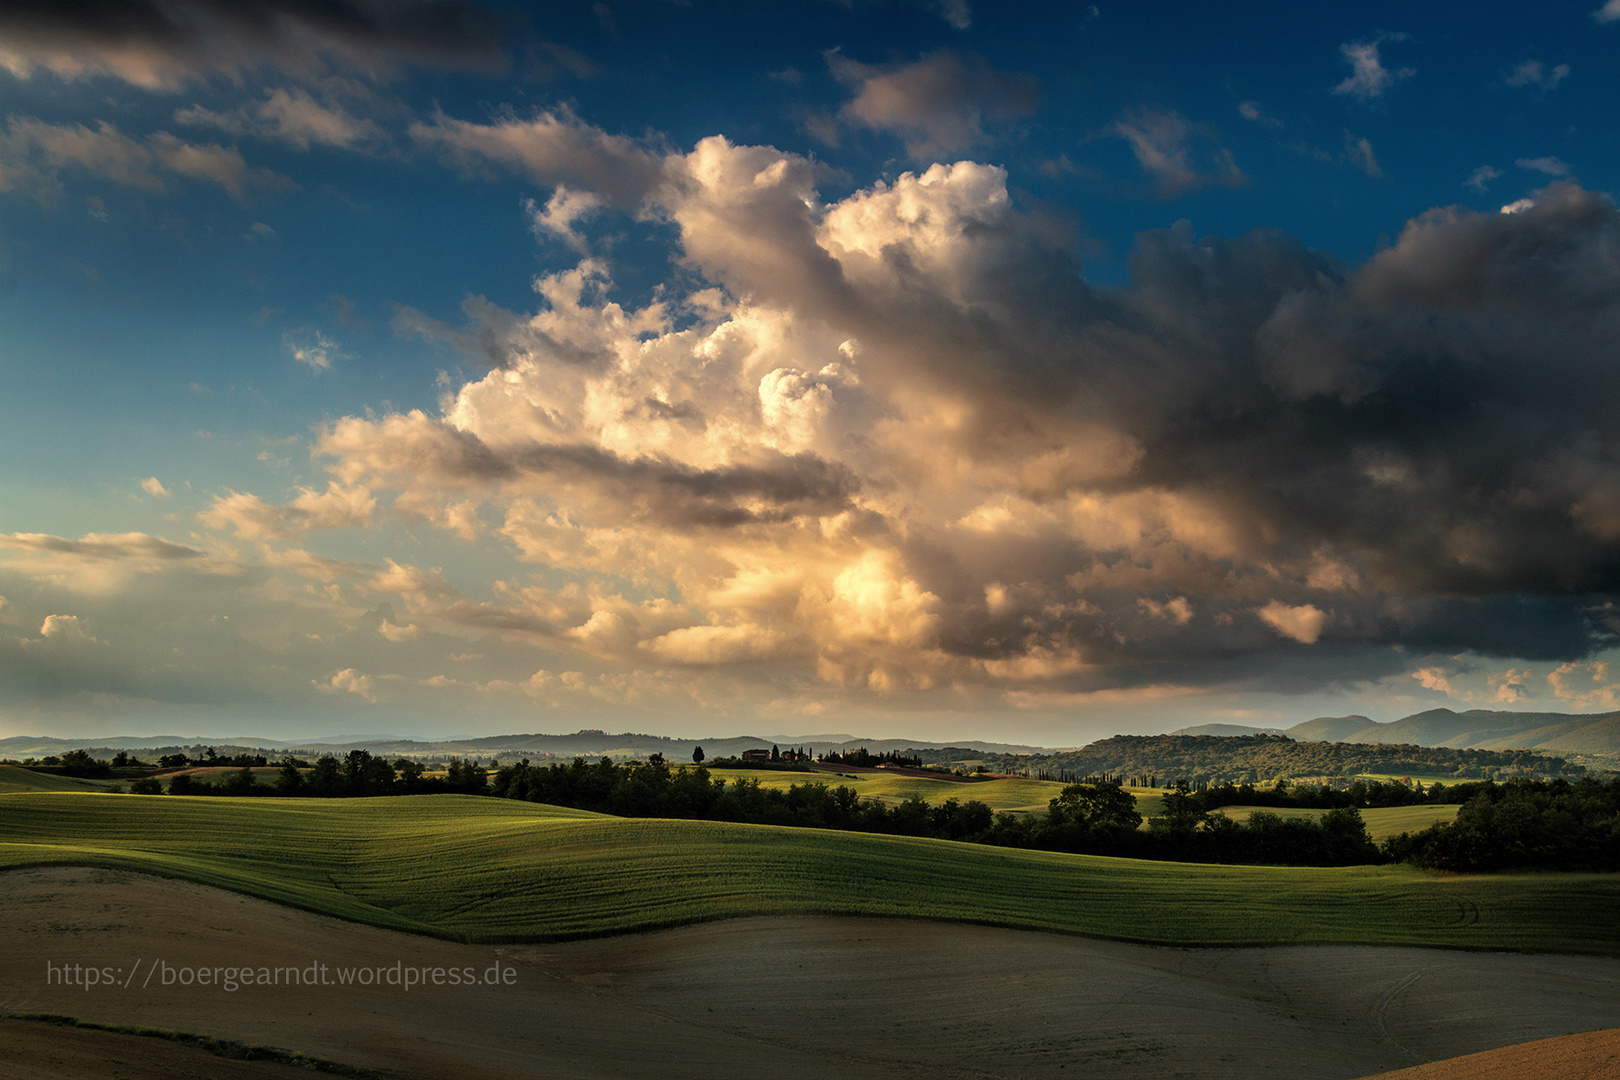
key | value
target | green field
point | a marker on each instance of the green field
(481, 869)
(15, 778)
(1383, 822)
(1015, 793)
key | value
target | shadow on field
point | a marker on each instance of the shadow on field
(767, 997)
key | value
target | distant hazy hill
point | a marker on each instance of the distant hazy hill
(1331, 729)
(589, 744)
(1227, 730)
(1482, 729)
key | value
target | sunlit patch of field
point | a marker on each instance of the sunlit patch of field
(1382, 822)
(1008, 793)
(483, 869)
(15, 778)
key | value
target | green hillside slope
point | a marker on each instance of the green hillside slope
(491, 870)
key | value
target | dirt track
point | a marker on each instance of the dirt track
(790, 997)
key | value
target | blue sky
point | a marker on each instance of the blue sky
(1025, 371)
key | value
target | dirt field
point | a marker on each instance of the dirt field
(35, 1051)
(1592, 1055)
(789, 997)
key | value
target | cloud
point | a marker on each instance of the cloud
(313, 349)
(561, 213)
(291, 116)
(350, 681)
(1511, 686)
(34, 154)
(65, 628)
(942, 103)
(1302, 623)
(1250, 110)
(893, 442)
(1181, 156)
(1535, 73)
(553, 148)
(890, 443)
(99, 546)
(1549, 165)
(154, 487)
(1608, 13)
(1360, 154)
(1585, 685)
(251, 518)
(1434, 678)
(1369, 79)
(958, 13)
(161, 46)
(1481, 178)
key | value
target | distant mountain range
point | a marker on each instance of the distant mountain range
(1477, 729)
(587, 743)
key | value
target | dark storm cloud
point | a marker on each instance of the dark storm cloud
(1440, 421)
(159, 45)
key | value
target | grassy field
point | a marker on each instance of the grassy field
(15, 778)
(1383, 822)
(480, 869)
(1009, 794)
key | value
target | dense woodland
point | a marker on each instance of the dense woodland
(1258, 759)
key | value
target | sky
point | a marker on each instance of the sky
(1023, 372)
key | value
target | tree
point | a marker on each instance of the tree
(1105, 805)
(697, 756)
(241, 782)
(182, 784)
(146, 785)
(776, 755)
(289, 781)
(1182, 812)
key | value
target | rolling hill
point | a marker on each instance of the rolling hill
(1475, 729)
(492, 870)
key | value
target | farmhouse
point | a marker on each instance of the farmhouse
(756, 755)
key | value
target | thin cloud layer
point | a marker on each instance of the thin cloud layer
(34, 155)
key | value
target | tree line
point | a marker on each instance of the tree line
(1258, 759)
(1552, 824)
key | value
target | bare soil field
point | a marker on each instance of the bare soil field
(38, 1051)
(778, 997)
(1591, 1055)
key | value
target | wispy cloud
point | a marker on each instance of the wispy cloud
(1180, 155)
(312, 348)
(1369, 78)
(1481, 178)
(291, 116)
(1548, 165)
(1535, 73)
(1359, 152)
(1250, 110)
(945, 102)
(34, 155)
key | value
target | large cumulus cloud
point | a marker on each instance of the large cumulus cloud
(896, 440)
